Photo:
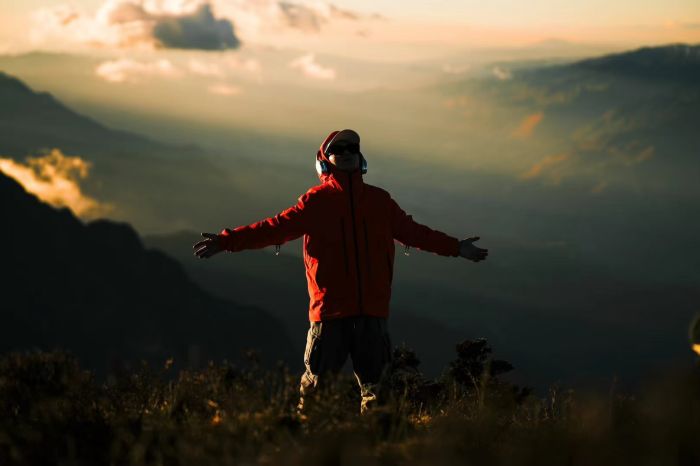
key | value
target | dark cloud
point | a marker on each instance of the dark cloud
(301, 17)
(310, 19)
(198, 30)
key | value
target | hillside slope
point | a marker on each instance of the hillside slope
(94, 289)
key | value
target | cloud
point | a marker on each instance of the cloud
(602, 140)
(308, 66)
(545, 164)
(344, 14)
(226, 90)
(455, 69)
(127, 70)
(183, 24)
(54, 179)
(223, 66)
(502, 74)
(234, 62)
(205, 68)
(527, 126)
(312, 16)
(671, 24)
(199, 30)
(302, 17)
(187, 24)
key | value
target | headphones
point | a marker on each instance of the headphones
(322, 166)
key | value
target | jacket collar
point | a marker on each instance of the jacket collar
(342, 180)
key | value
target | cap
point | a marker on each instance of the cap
(344, 135)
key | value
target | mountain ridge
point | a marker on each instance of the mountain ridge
(95, 290)
(33, 123)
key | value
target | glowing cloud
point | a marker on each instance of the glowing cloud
(527, 125)
(182, 24)
(301, 16)
(54, 178)
(205, 68)
(311, 16)
(543, 164)
(224, 89)
(223, 66)
(127, 70)
(455, 69)
(696, 348)
(185, 24)
(309, 68)
(502, 74)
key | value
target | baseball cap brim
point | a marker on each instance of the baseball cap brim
(346, 135)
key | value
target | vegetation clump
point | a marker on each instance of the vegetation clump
(54, 412)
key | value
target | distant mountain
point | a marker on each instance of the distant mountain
(95, 290)
(33, 120)
(626, 119)
(150, 183)
(678, 62)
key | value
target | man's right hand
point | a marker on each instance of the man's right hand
(471, 252)
(207, 248)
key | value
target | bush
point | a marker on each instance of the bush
(55, 413)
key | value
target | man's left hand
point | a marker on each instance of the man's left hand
(471, 252)
(208, 247)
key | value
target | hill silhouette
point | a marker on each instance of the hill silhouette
(159, 174)
(677, 62)
(95, 290)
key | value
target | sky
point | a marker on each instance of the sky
(381, 29)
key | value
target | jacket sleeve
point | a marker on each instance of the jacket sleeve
(412, 233)
(288, 225)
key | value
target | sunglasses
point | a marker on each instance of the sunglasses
(339, 148)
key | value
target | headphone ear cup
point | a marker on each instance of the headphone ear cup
(321, 167)
(363, 164)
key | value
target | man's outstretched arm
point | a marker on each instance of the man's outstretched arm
(412, 233)
(285, 226)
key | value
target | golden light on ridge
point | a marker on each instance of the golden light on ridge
(54, 178)
(527, 126)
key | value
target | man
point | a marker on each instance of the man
(349, 229)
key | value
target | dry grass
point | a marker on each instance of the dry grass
(55, 413)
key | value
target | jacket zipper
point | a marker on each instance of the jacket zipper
(357, 250)
(345, 246)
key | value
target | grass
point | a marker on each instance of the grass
(54, 412)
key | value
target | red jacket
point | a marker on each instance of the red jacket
(349, 229)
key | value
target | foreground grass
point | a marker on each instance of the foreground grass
(52, 412)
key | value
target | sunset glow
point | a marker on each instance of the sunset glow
(344, 27)
(528, 125)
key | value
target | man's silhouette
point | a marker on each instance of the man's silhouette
(349, 228)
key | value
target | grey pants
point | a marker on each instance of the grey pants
(328, 344)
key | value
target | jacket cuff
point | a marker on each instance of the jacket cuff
(225, 236)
